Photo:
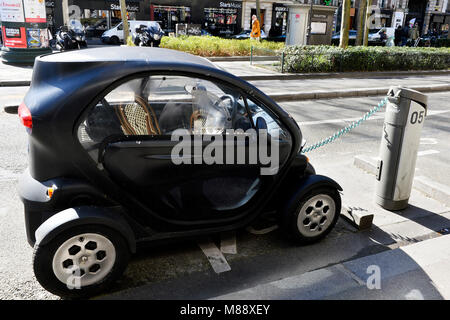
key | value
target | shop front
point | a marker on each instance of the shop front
(98, 15)
(279, 20)
(24, 30)
(439, 22)
(222, 18)
(217, 17)
(169, 16)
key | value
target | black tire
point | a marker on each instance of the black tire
(114, 40)
(43, 259)
(290, 215)
(156, 43)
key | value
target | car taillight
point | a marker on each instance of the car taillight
(25, 116)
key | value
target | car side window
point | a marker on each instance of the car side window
(159, 105)
(262, 118)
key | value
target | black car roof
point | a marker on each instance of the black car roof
(128, 54)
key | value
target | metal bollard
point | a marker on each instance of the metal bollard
(405, 113)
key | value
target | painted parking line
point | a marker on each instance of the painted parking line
(427, 152)
(428, 141)
(228, 242)
(214, 256)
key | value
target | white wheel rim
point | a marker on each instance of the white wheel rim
(84, 260)
(316, 215)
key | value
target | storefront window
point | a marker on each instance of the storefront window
(279, 20)
(169, 16)
(221, 21)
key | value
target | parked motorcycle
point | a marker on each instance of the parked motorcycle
(148, 36)
(72, 37)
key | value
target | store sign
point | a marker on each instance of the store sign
(11, 11)
(398, 19)
(14, 37)
(318, 27)
(280, 8)
(130, 7)
(35, 11)
(235, 5)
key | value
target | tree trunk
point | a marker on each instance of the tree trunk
(258, 13)
(65, 12)
(308, 34)
(345, 23)
(123, 12)
(367, 26)
(361, 22)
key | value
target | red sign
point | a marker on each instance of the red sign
(14, 37)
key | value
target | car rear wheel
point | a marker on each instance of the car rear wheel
(114, 40)
(81, 262)
(310, 218)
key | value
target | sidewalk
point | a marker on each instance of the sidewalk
(415, 272)
(21, 75)
(416, 268)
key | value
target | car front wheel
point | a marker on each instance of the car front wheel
(310, 218)
(81, 262)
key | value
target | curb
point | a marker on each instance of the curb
(433, 189)
(423, 184)
(290, 76)
(374, 74)
(242, 58)
(15, 83)
(364, 92)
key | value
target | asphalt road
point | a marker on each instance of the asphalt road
(181, 271)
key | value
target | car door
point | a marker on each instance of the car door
(185, 146)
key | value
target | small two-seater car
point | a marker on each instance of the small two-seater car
(102, 179)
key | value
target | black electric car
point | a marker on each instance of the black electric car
(106, 174)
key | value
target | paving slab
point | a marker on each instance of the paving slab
(413, 272)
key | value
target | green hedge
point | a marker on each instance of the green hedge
(208, 46)
(333, 59)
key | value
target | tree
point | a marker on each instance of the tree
(345, 24)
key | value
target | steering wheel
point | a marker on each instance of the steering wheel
(229, 111)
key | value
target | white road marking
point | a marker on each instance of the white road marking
(262, 231)
(427, 152)
(428, 141)
(228, 242)
(377, 117)
(215, 256)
